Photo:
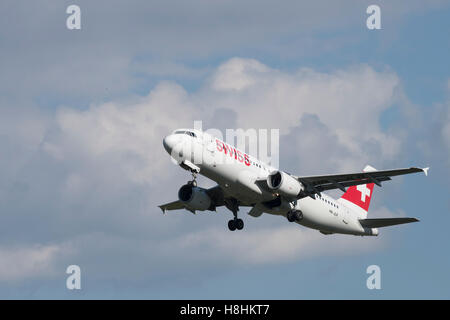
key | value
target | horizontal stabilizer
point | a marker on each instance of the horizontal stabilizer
(385, 222)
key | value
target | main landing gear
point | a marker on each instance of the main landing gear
(235, 223)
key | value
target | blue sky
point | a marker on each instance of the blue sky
(83, 168)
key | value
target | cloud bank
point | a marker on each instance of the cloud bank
(89, 180)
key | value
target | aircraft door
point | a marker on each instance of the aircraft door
(345, 215)
(210, 154)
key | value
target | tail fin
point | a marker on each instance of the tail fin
(358, 197)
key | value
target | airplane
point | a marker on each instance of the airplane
(244, 181)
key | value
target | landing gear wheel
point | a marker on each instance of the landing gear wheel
(192, 183)
(239, 224)
(233, 205)
(232, 225)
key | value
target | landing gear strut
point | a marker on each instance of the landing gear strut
(235, 223)
(294, 215)
(193, 182)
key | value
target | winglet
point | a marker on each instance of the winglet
(425, 170)
(369, 168)
(162, 209)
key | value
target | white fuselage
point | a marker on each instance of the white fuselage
(236, 173)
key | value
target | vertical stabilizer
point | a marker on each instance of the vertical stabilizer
(358, 197)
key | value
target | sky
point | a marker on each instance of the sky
(83, 169)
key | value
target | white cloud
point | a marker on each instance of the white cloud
(238, 74)
(446, 131)
(334, 114)
(112, 170)
(272, 245)
(19, 263)
(99, 61)
(120, 130)
(112, 256)
(446, 122)
(164, 69)
(89, 180)
(348, 102)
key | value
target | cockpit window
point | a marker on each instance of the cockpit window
(189, 133)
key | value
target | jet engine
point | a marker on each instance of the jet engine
(194, 197)
(284, 184)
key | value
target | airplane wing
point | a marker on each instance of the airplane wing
(215, 193)
(317, 184)
(175, 205)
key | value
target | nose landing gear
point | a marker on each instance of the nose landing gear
(193, 182)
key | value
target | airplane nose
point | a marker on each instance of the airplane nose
(169, 143)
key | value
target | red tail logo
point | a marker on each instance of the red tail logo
(359, 195)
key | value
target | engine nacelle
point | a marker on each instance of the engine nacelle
(284, 184)
(194, 197)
